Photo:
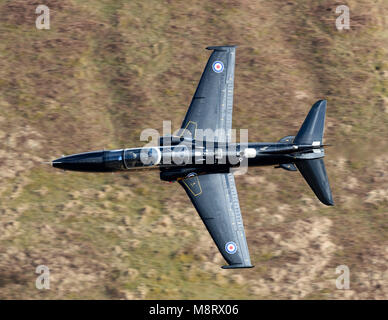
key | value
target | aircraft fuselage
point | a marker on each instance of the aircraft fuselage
(177, 161)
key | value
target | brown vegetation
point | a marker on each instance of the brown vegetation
(108, 69)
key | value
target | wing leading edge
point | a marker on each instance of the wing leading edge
(216, 200)
(212, 104)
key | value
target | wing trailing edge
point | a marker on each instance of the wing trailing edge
(216, 200)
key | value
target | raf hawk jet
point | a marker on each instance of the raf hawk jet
(202, 157)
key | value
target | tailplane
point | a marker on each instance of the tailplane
(311, 165)
(315, 175)
(312, 128)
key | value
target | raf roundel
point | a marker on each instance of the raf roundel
(218, 66)
(231, 247)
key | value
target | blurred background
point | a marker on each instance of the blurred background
(108, 69)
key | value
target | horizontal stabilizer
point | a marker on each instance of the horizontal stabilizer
(312, 128)
(315, 174)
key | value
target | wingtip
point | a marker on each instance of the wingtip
(237, 266)
(221, 48)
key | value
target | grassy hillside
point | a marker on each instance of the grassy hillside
(107, 69)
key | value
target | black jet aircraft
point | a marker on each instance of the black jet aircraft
(202, 157)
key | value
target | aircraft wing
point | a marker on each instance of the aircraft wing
(216, 200)
(212, 104)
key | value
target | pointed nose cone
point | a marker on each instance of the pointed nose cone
(89, 161)
(57, 163)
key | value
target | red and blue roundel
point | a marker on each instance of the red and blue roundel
(231, 247)
(218, 66)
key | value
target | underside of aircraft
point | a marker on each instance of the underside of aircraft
(211, 185)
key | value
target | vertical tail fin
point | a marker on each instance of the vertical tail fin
(313, 169)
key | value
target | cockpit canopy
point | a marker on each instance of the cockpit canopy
(141, 157)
